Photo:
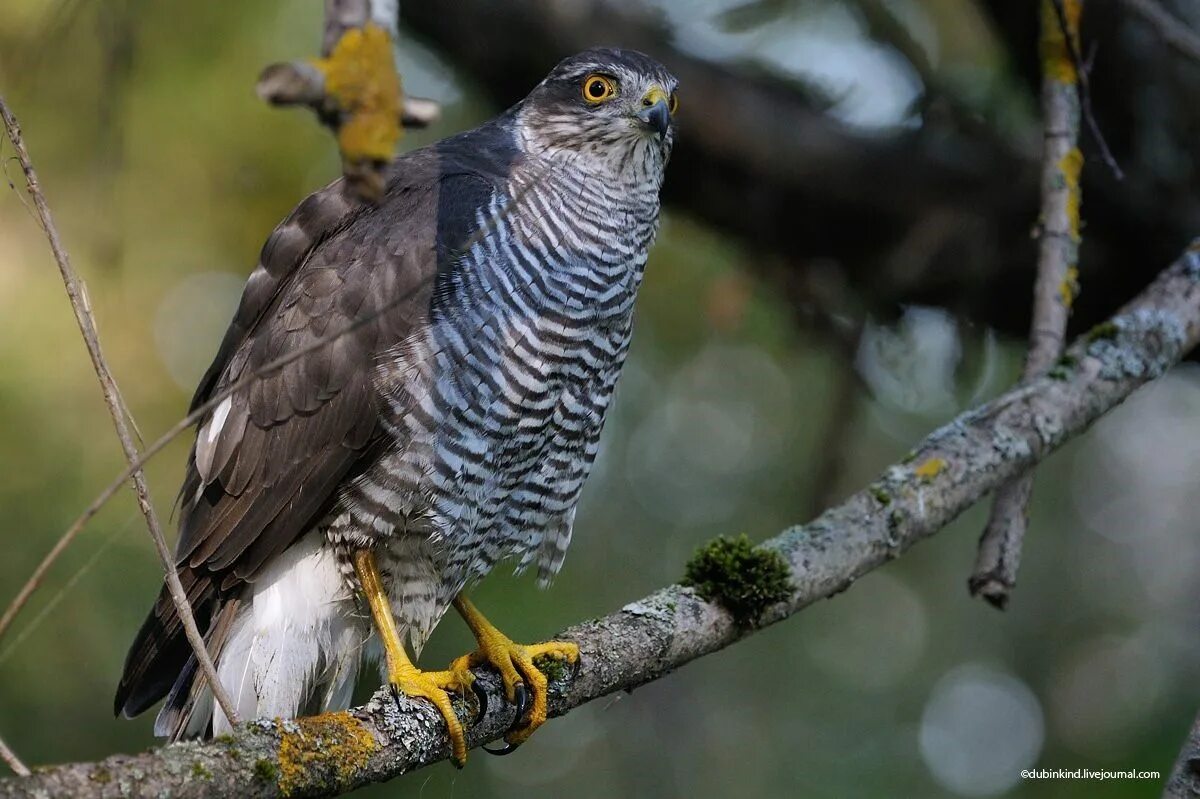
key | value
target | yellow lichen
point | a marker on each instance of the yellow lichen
(1057, 62)
(362, 82)
(1068, 289)
(334, 745)
(930, 469)
(1070, 165)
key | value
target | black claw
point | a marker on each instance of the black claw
(481, 696)
(576, 667)
(521, 700)
(507, 750)
(395, 695)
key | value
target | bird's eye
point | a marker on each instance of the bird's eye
(673, 103)
(598, 88)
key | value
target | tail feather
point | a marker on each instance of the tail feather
(187, 711)
(290, 643)
(160, 651)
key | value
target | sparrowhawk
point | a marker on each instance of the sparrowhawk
(449, 354)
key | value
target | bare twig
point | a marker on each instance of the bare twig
(1172, 30)
(12, 761)
(1083, 85)
(999, 554)
(77, 294)
(48, 608)
(947, 472)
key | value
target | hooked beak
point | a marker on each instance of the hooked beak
(656, 113)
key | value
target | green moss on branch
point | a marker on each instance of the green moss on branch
(742, 578)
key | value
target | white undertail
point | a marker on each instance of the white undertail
(296, 644)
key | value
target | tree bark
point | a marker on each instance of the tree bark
(947, 473)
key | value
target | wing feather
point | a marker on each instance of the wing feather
(267, 468)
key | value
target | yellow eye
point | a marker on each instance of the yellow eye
(598, 88)
(673, 103)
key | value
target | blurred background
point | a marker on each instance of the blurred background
(845, 263)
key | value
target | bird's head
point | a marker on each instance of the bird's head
(617, 106)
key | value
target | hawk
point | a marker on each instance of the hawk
(450, 355)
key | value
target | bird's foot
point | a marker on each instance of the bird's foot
(436, 686)
(524, 684)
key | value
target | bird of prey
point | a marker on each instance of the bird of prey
(449, 357)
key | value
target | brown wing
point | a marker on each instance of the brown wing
(267, 464)
(268, 460)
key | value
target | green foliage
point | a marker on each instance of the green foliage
(739, 576)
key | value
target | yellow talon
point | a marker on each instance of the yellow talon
(515, 663)
(436, 687)
(402, 674)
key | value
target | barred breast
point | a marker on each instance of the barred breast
(497, 406)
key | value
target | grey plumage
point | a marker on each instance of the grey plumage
(451, 431)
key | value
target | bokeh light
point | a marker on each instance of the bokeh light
(981, 727)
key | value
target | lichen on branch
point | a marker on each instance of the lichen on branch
(363, 88)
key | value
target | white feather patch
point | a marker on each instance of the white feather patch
(206, 440)
(297, 637)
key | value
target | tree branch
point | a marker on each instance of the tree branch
(77, 294)
(999, 556)
(947, 473)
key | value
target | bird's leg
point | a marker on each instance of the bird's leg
(524, 684)
(403, 676)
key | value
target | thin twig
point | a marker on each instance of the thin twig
(13, 762)
(77, 294)
(1172, 30)
(52, 603)
(1083, 85)
(949, 471)
(999, 553)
